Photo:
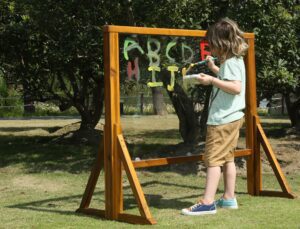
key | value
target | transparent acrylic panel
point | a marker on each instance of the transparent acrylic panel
(151, 78)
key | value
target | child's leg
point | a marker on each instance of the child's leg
(229, 173)
(212, 180)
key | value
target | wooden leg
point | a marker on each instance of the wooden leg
(95, 172)
(275, 166)
(250, 160)
(117, 189)
(257, 158)
(134, 183)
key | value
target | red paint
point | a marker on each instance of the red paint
(133, 72)
(203, 49)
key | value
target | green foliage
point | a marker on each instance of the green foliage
(276, 27)
(277, 79)
(50, 109)
(172, 13)
(3, 86)
(10, 103)
(54, 48)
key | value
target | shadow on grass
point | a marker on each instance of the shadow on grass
(43, 155)
(272, 130)
(155, 201)
(47, 205)
(158, 134)
(276, 130)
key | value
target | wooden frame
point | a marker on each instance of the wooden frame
(113, 154)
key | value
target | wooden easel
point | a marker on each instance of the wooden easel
(113, 154)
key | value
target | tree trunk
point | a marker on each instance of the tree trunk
(189, 127)
(88, 122)
(90, 107)
(188, 120)
(293, 109)
(90, 118)
(29, 107)
(191, 130)
(27, 100)
(204, 114)
(159, 107)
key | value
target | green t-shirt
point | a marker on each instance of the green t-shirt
(225, 107)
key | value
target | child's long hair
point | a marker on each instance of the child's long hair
(226, 39)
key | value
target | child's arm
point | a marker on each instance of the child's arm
(230, 86)
(211, 65)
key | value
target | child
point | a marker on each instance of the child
(225, 116)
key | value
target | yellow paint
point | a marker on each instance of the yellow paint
(155, 84)
(183, 72)
(154, 69)
(172, 69)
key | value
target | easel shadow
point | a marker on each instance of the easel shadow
(154, 201)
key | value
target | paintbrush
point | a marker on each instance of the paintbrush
(184, 70)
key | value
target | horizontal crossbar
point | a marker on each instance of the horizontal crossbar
(181, 159)
(160, 31)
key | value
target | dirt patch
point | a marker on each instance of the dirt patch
(62, 130)
(30, 182)
(287, 151)
(31, 133)
(71, 134)
(33, 127)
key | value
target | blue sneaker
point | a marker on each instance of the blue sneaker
(229, 203)
(200, 209)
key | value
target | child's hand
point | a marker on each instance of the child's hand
(205, 79)
(210, 62)
(211, 65)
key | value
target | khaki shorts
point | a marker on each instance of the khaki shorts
(221, 141)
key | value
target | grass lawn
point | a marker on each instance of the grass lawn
(42, 182)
